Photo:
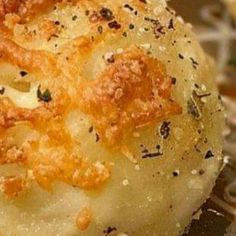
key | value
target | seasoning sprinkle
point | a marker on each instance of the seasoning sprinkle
(128, 7)
(109, 230)
(193, 109)
(148, 155)
(174, 80)
(165, 129)
(106, 14)
(23, 73)
(2, 90)
(209, 154)
(176, 173)
(74, 18)
(181, 56)
(114, 25)
(171, 24)
(44, 96)
(90, 129)
(131, 26)
(125, 34)
(97, 137)
(100, 29)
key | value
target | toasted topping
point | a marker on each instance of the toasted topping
(133, 91)
(44, 96)
(83, 219)
(12, 186)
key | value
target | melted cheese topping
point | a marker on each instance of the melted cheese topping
(106, 110)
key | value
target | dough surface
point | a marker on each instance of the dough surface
(110, 119)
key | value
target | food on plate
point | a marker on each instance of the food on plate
(110, 119)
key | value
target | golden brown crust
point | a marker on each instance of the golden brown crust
(57, 166)
(29, 60)
(24, 8)
(12, 185)
(132, 92)
(83, 219)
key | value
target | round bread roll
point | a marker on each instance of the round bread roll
(110, 119)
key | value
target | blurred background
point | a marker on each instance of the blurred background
(214, 22)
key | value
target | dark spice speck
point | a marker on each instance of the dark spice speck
(2, 90)
(165, 129)
(44, 96)
(106, 14)
(114, 25)
(209, 154)
(23, 73)
(109, 230)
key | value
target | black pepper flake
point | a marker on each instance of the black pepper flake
(193, 109)
(111, 59)
(175, 173)
(194, 63)
(106, 14)
(109, 230)
(170, 11)
(125, 34)
(44, 96)
(90, 129)
(145, 151)
(2, 90)
(201, 172)
(165, 129)
(100, 29)
(171, 24)
(149, 155)
(74, 18)
(131, 26)
(87, 12)
(114, 25)
(154, 21)
(173, 80)
(23, 73)
(181, 56)
(128, 7)
(57, 22)
(158, 31)
(97, 137)
(209, 154)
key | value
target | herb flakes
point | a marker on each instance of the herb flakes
(2, 90)
(23, 73)
(193, 108)
(165, 129)
(151, 155)
(106, 14)
(109, 230)
(209, 154)
(44, 96)
(74, 18)
(100, 29)
(114, 25)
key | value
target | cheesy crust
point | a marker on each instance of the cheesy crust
(109, 116)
